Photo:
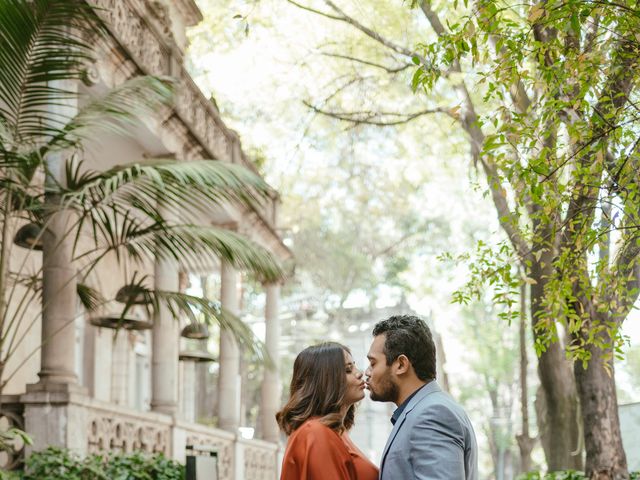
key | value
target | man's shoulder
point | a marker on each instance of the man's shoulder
(437, 399)
(439, 405)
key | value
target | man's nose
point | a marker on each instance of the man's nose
(367, 372)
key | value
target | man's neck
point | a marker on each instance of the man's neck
(408, 388)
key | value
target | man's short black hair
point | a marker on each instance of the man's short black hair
(410, 336)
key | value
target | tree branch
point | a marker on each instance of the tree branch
(612, 98)
(508, 219)
(372, 34)
(372, 64)
(370, 117)
(313, 10)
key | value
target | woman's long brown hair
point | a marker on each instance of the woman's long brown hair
(318, 388)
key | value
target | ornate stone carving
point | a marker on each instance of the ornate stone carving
(109, 431)
(259, 462)
(150, 51)
(225, 452)
(135, 35)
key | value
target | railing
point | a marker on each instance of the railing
(260, 459)
(222, 441)
(99, 426)
(114, 428)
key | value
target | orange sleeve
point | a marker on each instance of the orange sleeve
(315, 452)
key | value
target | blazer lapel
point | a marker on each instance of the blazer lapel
(426, 390)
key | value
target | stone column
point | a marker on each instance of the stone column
(59, 303)
(164, 344)
(270, 393)
(59, 297)
(189, 391)
(120, 369)
(229, 379)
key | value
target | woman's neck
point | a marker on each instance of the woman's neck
(343, 412)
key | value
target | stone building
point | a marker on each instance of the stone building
(88, 390)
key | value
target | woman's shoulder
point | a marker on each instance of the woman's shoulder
(313, 427)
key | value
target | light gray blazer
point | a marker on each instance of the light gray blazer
(433, 439)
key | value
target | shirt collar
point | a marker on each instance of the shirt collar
(398, 411)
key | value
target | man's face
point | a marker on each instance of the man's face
(380, 380)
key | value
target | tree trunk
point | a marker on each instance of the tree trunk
(606, 459)
(525, 441)
(561, 435)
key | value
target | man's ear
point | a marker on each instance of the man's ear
(402, 365)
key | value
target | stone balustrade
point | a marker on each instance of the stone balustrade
(260, 459)
(99, 426)
(113, 428)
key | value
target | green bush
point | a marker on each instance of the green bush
(564, 475)
(56, 463)
(141, 467)
(4, 475)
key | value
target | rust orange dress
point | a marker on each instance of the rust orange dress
(315, 452)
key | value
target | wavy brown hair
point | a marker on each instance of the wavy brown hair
(318, 388)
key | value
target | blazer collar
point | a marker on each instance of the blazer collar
(428, 389)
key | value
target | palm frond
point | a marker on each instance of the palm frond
(177, 184)
(194, 309)
(116, 111)
(43, 44)
(194, 246)
(89, 297)
(182, 304)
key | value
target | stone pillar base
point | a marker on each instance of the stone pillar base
(54, 415)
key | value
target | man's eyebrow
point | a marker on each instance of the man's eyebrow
(370, 357)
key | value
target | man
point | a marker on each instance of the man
(432, 437)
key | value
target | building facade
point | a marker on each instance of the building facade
(89, 388)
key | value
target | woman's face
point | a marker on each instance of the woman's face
(355, 382)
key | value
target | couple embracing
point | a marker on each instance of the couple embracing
(432, 437)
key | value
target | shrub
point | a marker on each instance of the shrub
(564, 475)
(137, 466)
(56, 463)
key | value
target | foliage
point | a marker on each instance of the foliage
(565, 475)
(11, 436)
(142, 467)
(55, 463)
(559, 140)
(4, 475)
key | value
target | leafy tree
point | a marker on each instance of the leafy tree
(558, 152)
(372, 87)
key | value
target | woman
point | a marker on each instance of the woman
(325, 387)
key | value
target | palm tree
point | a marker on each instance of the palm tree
(45, 46)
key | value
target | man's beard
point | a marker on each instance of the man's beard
(386, 390)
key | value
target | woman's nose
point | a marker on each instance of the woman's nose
(359, 373)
